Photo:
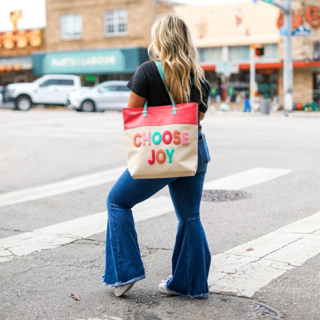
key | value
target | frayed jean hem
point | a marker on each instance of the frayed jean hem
(118, 284)
(198, 296)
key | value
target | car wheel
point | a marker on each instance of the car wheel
(88, 106)
(23, 103)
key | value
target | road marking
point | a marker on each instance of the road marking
(36, 122)
(69, 231)
(61, 187)
(245, 179)
(40, 135)
(66, 232)
(234, 182)
(80, 129)
(243, 272)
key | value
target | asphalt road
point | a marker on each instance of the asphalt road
(56, 169)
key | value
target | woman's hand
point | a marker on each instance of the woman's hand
(135, 100)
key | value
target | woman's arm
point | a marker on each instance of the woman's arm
(202, 115)
(135, 100)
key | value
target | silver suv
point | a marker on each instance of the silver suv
(108, 95)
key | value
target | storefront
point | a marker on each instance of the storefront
(267, 80)
(93, 66)
(259, 23)
(316, 86)
(15, 69)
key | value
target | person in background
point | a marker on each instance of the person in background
(247, 107)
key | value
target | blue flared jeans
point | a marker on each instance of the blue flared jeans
(191, 256)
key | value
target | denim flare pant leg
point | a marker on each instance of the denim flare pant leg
(191, 256)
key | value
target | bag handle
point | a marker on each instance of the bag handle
(174, 107)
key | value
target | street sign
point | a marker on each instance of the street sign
(283, 31)
(301, 32)
(227, 67)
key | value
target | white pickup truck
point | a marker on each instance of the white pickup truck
(48, 90)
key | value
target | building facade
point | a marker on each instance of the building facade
(99, 40)
(225, 33)
(96, 39)
(20, 35)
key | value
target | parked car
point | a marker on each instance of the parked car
(47, 90)
(108, 95)
(6, 101)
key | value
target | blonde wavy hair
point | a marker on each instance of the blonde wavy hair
(173, 46)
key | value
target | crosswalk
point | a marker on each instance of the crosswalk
(241, 271)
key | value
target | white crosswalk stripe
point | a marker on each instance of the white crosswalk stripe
(247, 268)
(245, 179)
(61, 187)
(69, 231)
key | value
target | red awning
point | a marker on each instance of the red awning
(268, 65)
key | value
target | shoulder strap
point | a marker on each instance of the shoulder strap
(161, 71)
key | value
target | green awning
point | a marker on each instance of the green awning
(102, 61)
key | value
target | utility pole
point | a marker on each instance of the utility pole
(288, 69)
(252, 76)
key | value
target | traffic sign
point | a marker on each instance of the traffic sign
(227, 67)
(283, 31)
(301, 32)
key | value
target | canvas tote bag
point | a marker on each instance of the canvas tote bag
(162, 142)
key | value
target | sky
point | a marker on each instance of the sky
(33, 14)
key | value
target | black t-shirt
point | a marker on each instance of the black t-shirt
(147, 83)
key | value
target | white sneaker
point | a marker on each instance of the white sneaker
(163, 289)
(119, 291)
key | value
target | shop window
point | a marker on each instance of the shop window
(71, 26)
(210, 55)
(239, 53)
(115, 23)
(271, 52)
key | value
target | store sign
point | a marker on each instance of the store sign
(310, 15)
(84, 62)
(19, 38)
(301, 31)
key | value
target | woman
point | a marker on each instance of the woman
(172, 45)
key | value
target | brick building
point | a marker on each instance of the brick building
(98, 39)
(225, 32)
